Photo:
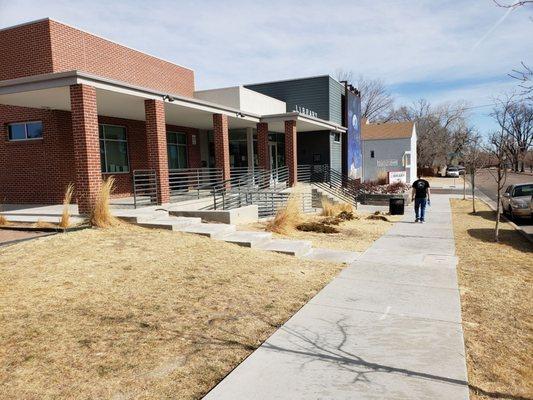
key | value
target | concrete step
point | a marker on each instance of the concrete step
(247, 238)
(337, 256)
(214, 231)
(30, 219)
(169, 223)
(296, 248)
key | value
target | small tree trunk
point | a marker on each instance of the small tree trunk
(498, 207)
(473, 196)
(464, 186)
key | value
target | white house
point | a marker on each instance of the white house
(389, 147)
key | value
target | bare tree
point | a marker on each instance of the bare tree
(525, 77)
(376, 101)
(498, 145)
(515, 116)
(474, 158)
(442, 130)
(513, 4)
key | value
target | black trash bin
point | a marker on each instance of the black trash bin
(396, 205)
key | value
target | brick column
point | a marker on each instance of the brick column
(86, 145)
(221, 138)
(262, 146)
(156, 146)
(291, 153)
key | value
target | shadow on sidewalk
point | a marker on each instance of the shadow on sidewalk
(311, 347)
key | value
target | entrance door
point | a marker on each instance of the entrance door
(273, 147)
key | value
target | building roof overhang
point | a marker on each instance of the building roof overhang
(122, 100)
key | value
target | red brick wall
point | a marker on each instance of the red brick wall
(73, 49)
(86, 146)
(48, 46)
(39, 171)
(156, 146)
(221, 139)
(25, 50)
(291, 151)
(262, 146)
(36, 171)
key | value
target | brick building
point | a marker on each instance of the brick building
(75, 108)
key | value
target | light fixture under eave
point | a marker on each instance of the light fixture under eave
(169, 98)
(239, 114)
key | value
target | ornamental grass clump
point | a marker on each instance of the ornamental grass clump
(3, 220)
(288, 217)
(330, 209)
(101, 216)
(65, 215)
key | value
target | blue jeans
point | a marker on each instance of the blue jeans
(420, 209)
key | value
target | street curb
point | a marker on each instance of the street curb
(516, 227)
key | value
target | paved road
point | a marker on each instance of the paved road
(388, 327)
(487, 184)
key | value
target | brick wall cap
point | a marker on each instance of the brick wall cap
(37, 21)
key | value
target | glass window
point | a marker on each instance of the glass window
(113, 149)
(25, 130)
(177, 150)
(336, 137)
(371, 153)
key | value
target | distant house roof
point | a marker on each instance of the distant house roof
(388, 130)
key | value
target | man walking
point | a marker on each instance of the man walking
(420, 195)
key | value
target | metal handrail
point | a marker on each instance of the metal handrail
(238, 190)
(145, 188)
(193, 182)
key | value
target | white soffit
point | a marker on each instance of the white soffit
(53, 98)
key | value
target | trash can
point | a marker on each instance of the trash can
(396, 205)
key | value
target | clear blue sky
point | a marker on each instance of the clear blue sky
(440, 50)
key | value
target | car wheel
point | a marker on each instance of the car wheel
(511, 215)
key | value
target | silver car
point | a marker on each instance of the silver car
(452, 172)
(516, 200)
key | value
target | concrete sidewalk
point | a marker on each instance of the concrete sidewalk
(388, 327)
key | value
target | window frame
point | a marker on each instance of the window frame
(185, 145)
(337, 137)
(114, 140)
(25, 123)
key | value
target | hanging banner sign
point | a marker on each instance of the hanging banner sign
(353, 123)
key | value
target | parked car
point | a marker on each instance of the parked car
(516, 201)
(461, 169)
(452, 172)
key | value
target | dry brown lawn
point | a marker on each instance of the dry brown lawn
(354, 235)
(497, 304)
(128, 312)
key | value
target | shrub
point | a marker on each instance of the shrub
(3, 220)
(319, 227)
(101, 216)
(383, 177)
(288, 217)
(65, 215)
(396, 187)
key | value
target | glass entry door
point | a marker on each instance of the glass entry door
(273, 147)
